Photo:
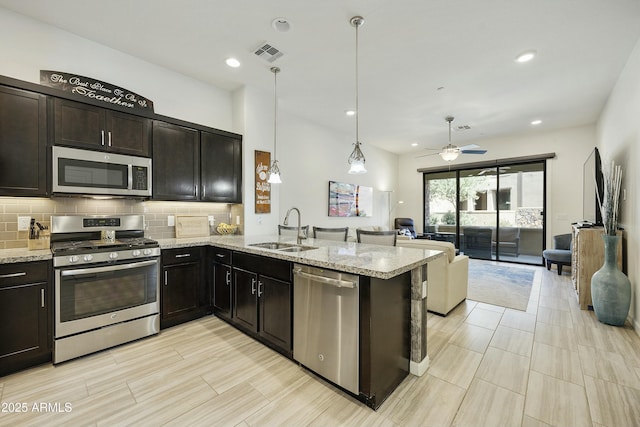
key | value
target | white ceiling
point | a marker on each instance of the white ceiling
(420, 60)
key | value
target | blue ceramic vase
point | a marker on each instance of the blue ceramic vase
(610, 287)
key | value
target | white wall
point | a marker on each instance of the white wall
(564, 173)
(309, 156)
(29, 46)
(618, 134)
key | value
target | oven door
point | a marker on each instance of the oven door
(94, 297)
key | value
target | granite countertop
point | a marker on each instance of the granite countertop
(8, 256)
(382, 262)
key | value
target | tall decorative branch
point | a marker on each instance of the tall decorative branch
(609, 201)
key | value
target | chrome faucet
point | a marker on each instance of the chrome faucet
(286, 222)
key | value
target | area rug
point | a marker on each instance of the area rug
(503, 285)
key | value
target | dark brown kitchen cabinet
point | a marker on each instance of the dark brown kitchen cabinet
(222, 280)
(221, 168)
(25, 315)
(176, 162)
(262, 299)
(86, 126)
(23, 139)
(183, 290)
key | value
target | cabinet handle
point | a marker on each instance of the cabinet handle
(42, 297)
(102, 137)
(204, 191)
(220, 255)
(182, 255)
(259, 289)
(6, 276)
(166, 278)
(228, 278)
(109, 138)
(253, 286)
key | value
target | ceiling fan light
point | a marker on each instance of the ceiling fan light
(449, 153)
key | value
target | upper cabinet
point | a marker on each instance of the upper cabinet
(87, 126)
(176, 162)
(221, 168)
(23, 139)
(195, 165)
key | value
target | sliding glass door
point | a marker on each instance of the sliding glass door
(491, 213)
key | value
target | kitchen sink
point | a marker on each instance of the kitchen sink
(283, 247)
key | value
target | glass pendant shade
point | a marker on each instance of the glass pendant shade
(274, 173)
(357, 160)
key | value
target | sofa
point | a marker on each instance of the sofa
(447, 277)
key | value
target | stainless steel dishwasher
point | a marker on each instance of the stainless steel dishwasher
(326, 324)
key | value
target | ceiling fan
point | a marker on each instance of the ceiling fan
(451, 152)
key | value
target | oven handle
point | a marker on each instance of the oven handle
(92, 270)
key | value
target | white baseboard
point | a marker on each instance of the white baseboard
(418, 369)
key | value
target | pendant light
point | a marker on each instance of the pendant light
(356, 159)
(274, 170)
(450, 152)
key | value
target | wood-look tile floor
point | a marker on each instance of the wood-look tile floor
(553, 365)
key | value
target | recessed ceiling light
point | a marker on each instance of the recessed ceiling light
(281, 25)
(415, 144)
(350, 112)
(536, 122)
(526, 56)
(233, 62)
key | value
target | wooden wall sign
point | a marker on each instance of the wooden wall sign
(94, 89)
(263, 188)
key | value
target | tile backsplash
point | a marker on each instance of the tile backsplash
(156, 214)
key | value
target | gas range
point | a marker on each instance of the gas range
(78, 240)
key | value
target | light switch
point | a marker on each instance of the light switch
(171, 221)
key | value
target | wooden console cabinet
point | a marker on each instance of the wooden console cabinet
(587, 258)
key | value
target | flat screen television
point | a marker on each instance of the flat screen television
(592, 182)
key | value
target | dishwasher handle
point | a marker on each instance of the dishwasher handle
(325, 280)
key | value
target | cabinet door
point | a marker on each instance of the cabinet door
(221, 168)
(79, 125)
(23, 139)
(245, 303)
(179, 292)
(24, 316)
(275, 311)
(128, 134)
(176, 168)
(222, 290)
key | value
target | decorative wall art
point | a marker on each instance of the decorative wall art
(263, 188)
(350, 199)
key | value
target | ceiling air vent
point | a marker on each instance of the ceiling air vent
(462, 128)
(268, 52)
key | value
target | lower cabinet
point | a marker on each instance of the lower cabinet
(222, 275)
(25, 315)
(261, 299)
(183, 290)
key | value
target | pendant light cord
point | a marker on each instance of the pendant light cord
(275, 71)
(357, 25)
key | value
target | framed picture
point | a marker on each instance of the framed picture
(350, 199)
(263, 188)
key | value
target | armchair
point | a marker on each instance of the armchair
(405, 224)
(561, 254)
(447, 277)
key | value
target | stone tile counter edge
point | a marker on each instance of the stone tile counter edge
(382, 262)
(8, 256)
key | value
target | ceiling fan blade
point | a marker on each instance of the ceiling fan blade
(473, 151)
(469, 147)
(425, 155)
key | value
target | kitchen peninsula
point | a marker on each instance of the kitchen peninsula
(392, 297)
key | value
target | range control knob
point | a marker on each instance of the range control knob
(113, 255)
(87, 258)
(136, 252)
(147, 251)
(73, 258)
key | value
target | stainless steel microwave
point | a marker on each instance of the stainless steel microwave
(86, 172)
